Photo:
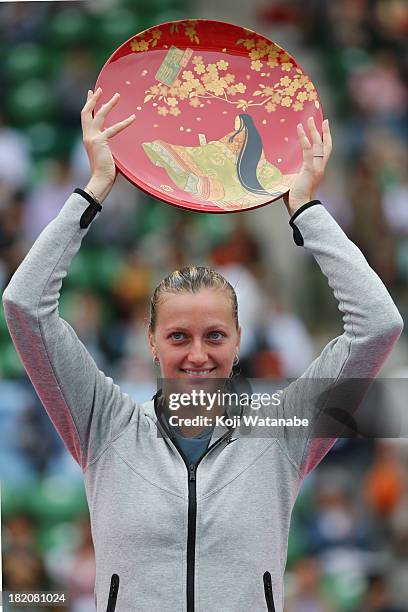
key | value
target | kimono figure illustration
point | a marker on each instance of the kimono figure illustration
(231, 172)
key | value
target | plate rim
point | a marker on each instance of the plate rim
(148, 190)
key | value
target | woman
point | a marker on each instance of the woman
(231, 172)
(181, 524)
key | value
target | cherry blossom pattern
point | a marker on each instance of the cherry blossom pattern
(206, 81)
(189, 29)
(141, 44)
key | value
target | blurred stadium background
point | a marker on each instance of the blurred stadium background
(348, 548)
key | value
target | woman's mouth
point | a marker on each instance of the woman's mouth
(202, 372)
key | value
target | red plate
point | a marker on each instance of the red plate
(216, 112)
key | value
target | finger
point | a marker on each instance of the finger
(118, 127)
(86, 113)
(327, 139)
(304, 140)
(305, 144)
(315, 134)
(104, 110)
(92, 99)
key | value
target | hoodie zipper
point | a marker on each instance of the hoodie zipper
(267, 580)
(192, 520)
(113, 593)
(191, 534)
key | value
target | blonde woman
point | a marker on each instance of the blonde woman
(179, 523)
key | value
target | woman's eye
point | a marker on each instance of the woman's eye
(177, 336)
(216, 335)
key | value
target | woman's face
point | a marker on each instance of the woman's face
(195, 335)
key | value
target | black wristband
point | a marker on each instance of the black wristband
(90, 213)
(297, 236)
(88, 197)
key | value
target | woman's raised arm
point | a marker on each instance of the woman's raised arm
(338, 379)
(82, 402)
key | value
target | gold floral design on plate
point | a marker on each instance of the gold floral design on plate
(291, 91)
(141, 44)
(215, 81)
(189, 29)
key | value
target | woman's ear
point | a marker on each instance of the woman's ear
(152, 343)
(239, 338)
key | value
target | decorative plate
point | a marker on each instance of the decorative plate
(216, 107)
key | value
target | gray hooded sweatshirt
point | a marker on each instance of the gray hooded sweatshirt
(213, 537)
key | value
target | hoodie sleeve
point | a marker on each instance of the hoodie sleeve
(339, 378)
(81, 401)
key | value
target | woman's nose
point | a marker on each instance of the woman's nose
(198, 353)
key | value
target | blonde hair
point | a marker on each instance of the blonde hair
(191, 279)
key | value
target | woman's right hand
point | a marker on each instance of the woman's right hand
(96, 143)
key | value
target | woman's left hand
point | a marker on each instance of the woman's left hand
(316, 154)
